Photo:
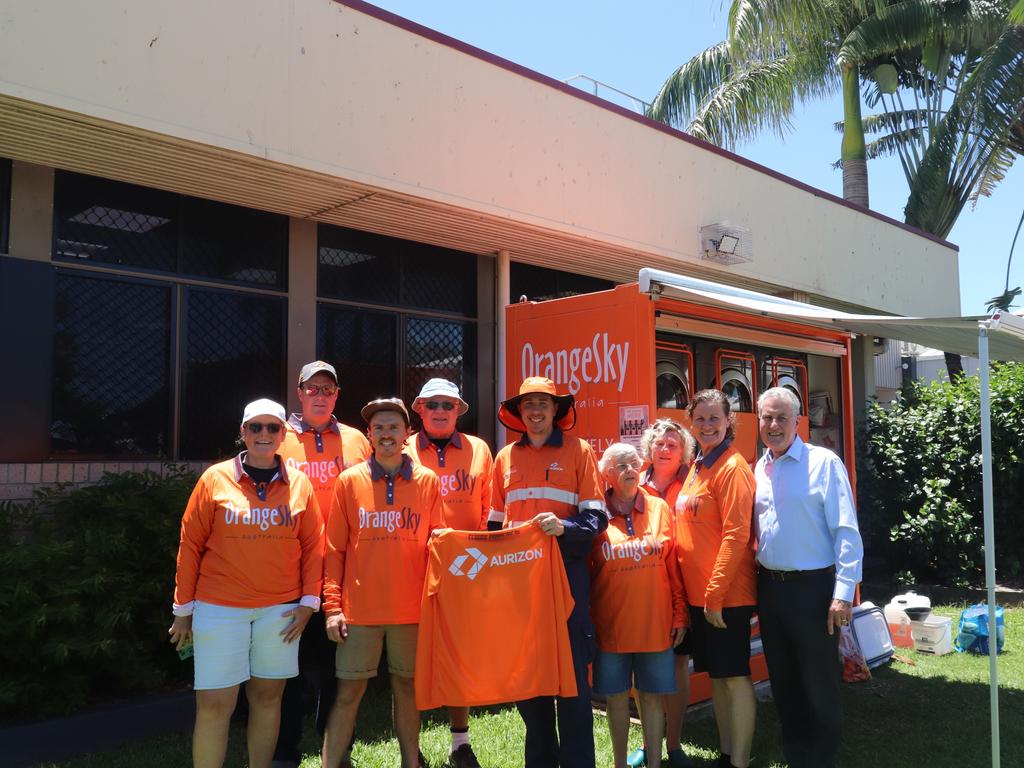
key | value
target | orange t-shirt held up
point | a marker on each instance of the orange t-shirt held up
(493, 623)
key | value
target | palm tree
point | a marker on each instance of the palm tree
(778, 53)
(783, 51)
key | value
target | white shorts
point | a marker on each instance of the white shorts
(234, 644)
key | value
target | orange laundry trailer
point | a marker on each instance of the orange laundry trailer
(631, 356)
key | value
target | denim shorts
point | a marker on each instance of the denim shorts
(648, 672)
(234, 644)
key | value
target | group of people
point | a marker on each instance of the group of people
(667, 555)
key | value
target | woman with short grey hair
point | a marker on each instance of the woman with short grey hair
(637, 603)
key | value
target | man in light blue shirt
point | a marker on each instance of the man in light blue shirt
(809, 555)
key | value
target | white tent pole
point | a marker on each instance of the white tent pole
(990, 539)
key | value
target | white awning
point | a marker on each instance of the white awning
(950, 334)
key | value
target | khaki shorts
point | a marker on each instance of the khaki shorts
(359, 656)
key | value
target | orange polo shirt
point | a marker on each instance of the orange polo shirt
(249, 547)
(672, 492)
(495, 607)
(636, 595)
(714, 533)
(322, 456)
(464, 468)
(377, 534)
(559, 477)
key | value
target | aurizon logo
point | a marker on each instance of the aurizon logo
(479, 561)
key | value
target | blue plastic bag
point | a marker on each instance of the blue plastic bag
(973, 631)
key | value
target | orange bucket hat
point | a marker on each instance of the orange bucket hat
(565, 408)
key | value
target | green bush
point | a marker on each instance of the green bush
(88, 575)
(921, 481)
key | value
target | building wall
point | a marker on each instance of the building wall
(325, 87)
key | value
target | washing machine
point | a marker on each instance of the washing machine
(736, 379)
(787, 373)
(673, 375)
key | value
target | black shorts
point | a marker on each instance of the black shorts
(685, 648)
(722, 652)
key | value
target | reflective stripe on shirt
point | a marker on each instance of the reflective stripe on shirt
(541, 492)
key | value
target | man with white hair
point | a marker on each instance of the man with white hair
(463, 463)
(809, 555)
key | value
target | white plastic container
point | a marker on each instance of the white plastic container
(934, 635)
(871, 631)
(899, 621)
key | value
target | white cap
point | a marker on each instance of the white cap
(442, 388)
(263, 407)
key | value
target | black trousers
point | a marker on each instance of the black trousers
(572, 744)
(316, 672)
(803, 665)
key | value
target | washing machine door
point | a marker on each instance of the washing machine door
(790, 382)
(670, 386)
(736, 387)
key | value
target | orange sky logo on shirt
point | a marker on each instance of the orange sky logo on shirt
(390, 520)
(320, 472)
(687, 505)
(263, 518)
(456, 482)
(632, 549)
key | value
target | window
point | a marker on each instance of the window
(162, 366)
(370, 348)
(99, 220)
(112, 364)
(233, 353)
(5, 203)
(362, 346)
(392, 352)
(541, 284)
(373, 269)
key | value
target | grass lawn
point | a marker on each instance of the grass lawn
(934, 712)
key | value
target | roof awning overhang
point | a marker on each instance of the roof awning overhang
(950, 334)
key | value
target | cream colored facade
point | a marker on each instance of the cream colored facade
(337, 112)
(319, 110)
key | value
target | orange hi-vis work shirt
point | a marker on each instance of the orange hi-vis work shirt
(636, 596)
(493, 625)
(322, 456)
(714, 533)
(464, 468)
(559, 476)
(249, 546)
(377, 535)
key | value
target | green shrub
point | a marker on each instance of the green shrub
(921, 481)
(88, 575)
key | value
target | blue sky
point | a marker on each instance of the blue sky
(635, 46)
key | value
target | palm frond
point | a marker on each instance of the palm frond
(689, 86)
(757, 98)
(897, 120)
(1017, 13)
(910, 24)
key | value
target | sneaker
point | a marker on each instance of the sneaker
(637, 758)
(679, 759)
(463, 757)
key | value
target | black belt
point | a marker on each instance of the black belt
(771, 575)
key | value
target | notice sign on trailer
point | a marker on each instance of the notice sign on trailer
(632, 423)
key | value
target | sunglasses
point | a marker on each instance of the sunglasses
(327, 390)
(256, 427)
(433, 405)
